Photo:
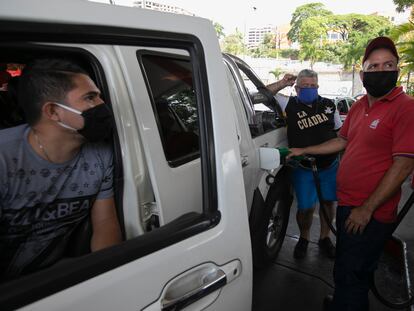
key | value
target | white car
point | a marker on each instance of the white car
(343, 105)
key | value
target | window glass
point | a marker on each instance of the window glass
(260, 101)
(342, 106)
(175, 105)
(265, 119)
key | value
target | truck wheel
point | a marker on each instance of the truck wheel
(277, 220)
(268, 229)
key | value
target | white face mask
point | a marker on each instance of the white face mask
(71, 110)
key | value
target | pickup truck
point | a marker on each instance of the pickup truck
(192, 198)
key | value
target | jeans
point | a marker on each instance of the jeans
(357, 258)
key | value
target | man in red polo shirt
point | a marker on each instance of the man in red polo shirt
(378, 135)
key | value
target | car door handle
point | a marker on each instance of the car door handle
(199, 286)
(244, 160)
(211, 281)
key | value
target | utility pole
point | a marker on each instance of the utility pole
(353, 79)
(245, 32)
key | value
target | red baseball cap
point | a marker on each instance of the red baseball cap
(380, 43)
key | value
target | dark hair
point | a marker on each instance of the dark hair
(45, 80)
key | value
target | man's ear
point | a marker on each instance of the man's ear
(361, 75)
(49, 111)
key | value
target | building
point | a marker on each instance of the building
(394, 17)
(333, 36)
(256, 35)
(282, 41)
(152, 5)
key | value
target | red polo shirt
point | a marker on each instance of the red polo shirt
(374, 136)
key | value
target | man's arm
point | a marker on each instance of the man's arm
(388, 186)
(333, 145)
(287, 80)
(106, 231)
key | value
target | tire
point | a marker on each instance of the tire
(269, 231)
(276, 220)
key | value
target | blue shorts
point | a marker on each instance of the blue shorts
(305, 189)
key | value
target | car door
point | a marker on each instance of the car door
(187, 241)
(260, 126)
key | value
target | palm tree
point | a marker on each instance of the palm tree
(403, 35)
(276, 72)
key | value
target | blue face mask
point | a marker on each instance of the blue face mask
(308, 95)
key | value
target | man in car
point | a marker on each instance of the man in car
(311, 119)
(56, 171)
(379, 141)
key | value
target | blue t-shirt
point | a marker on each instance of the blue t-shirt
(41, 203)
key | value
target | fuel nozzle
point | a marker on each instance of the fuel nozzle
(272, 158)
(284, 152)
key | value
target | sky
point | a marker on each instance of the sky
(243, 14)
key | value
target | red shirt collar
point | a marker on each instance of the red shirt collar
(397, 91)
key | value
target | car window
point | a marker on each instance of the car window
(175, 105)
(262, 111)
(260, 101)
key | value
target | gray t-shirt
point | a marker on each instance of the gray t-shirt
(41, 203)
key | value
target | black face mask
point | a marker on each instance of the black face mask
(98, 123)
(379, 83)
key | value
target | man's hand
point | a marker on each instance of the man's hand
(295, 152)
(358, 219)
(289, 79)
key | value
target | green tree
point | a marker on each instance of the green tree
(312, 39)
(301, 14)
(402, 5)
(219, 30)
(233, 43)
(289, 53)
(266, 48)
(403, 35)
(356, 31)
